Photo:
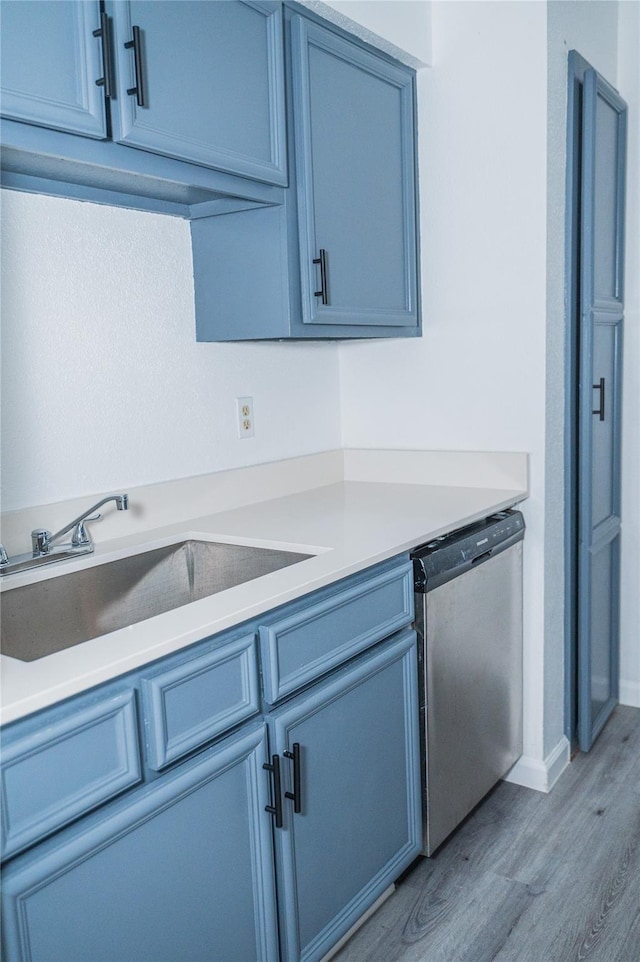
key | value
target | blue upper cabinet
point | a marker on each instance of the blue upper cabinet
(339, 258)
(196, 82)
(181, 108)
(206, 82)
(354, 159)
(51, 60)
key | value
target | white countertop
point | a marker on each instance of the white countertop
(347, 526)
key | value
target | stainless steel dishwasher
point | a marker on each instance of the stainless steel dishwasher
(468, 588)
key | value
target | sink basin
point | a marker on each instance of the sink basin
(55, 614)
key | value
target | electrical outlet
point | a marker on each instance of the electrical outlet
(244, 417)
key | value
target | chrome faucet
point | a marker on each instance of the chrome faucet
(42, 541)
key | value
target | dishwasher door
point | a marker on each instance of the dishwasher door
(471, 666)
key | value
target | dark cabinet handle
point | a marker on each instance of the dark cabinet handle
(600, 409)
(139, 89)
(324, 290)
(103, 32)
(276, 808)
(296, 794)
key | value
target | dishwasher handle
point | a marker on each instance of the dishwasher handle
(427, 576)
(482, 557)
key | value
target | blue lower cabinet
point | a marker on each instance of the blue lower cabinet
(267, 845)
(190, 701)
(182, 870)
(354, 778)
(64, 763)
(306, 640)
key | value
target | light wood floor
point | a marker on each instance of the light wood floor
(529, 877)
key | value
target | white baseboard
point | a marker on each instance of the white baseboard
(541, 774)
(630, 693)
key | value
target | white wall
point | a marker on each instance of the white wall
(401, 27)
(476, 379)
(103, 383)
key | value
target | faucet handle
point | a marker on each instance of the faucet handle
(40, 541)
(80, 534)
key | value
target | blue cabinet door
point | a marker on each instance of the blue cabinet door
(50, 62)
(339, 259)
(212, 77)
(180, 871)
(355, 171)
(359, 821)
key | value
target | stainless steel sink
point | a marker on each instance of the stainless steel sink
(55, 614)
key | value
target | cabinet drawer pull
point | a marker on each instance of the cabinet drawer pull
(103, 33)
(276, 808)
(295, 795)
(324, 290)
(139, 89)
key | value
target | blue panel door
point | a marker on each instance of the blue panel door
(359, 798)
(208, 81)
(181, 871)
(354, 155)
(50, 62)
(601, 295)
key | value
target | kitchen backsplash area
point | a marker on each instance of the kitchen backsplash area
(107, 385)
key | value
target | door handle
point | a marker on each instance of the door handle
(103, 32)
(276, 808)
(600, 409)
(324, 290)
(139, 89)
(296, 794)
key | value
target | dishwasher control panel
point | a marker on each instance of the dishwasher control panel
(451, 554)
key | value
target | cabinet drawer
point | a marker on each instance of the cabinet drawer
(194, 701)
(321, 634)
(65, 768)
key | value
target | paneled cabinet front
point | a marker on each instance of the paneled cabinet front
(181, 870)
(351, 810)
(354, 156)
(207, 82)
(340, 257)
(51, 59)
(199, 82)
(61, 766)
